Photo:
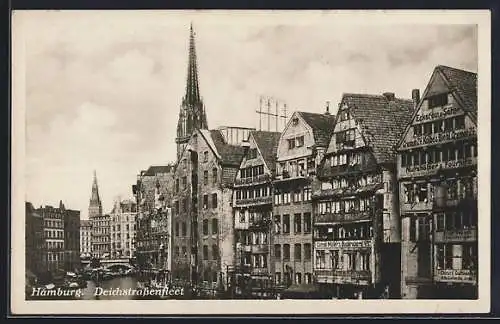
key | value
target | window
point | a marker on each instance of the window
(238, 194)
(214, 175)
(291, 143)
(298, 278)
(364, 261)
(297, 223)
(277, 224)
(427, 128)
(438, 100)
(176, 228)
(184, 251)
(177, 251)
(448, 124)
(184, 229)
(205, 177)
(307, 251)
(205, 227)
(417, 130)
(205, 252)
(184, 183)
(307, 194)
(215, 226)
(286, 224)
(297, 252)
(297, 196)
(277, 278)
(299, 141)
(215, 252)
(205, 201)
(277, 251)
(205, 156)
(286, 197)
(214, 200)
(419, 228)
(460, 122)
(286, 252)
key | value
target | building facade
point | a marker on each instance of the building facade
(253, 208)
(53, 220)
(356, 214)
(122, 229)
(437, 172)
(100, 237)
(203, 238)
(71, 239)
(300, 150)
(153, 191)
(35, 252)
(85, 238)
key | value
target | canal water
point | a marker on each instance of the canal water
(123, 283)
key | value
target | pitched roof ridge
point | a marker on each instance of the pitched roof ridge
(441, 66)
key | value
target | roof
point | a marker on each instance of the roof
(464, 83)
(382, 122)
(85, 222)
(267, 142)
(155, 169)
(229, 154)
(322, 126)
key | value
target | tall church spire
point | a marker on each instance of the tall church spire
(95, 206)
(192, 114)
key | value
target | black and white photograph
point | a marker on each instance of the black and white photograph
(243, 162)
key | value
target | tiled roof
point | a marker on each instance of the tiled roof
(268, 146)
(464, 84)
(382, 121)
(322, 126)
(230, 154)
(155, 169)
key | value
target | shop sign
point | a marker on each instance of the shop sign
(444, 165)
(446, 112)
(440, 137)
(456, 275)
(463, 235)
(346, 245)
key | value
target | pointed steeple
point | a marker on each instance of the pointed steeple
(95, 206)
(192, 114)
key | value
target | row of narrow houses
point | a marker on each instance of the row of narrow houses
(376, 201)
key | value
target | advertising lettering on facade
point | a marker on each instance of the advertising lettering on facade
(426, 168)
(460, 235)
(466, 276)
(446, 112)
(440, 137)
(336, 245)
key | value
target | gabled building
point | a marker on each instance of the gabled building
(85, 238)
(203, 236)
(437, 172)
(153, 229)
(355, 197)
(301, 147)
(253, 208)
(123, 228)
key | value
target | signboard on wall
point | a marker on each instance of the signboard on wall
(450, 275)
(345, 245)
(440, 137)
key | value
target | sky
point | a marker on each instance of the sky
(103, 89)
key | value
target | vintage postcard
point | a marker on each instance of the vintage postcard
(250, 162)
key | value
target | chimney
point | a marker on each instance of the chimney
(327, 108)
(415, 96)
(389, 96)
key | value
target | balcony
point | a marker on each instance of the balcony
(254, 201)
(360, 277)
(260, 179)
(463, 235)
(332, 218)
(457, 276)
(433, 168)
(293, 175)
